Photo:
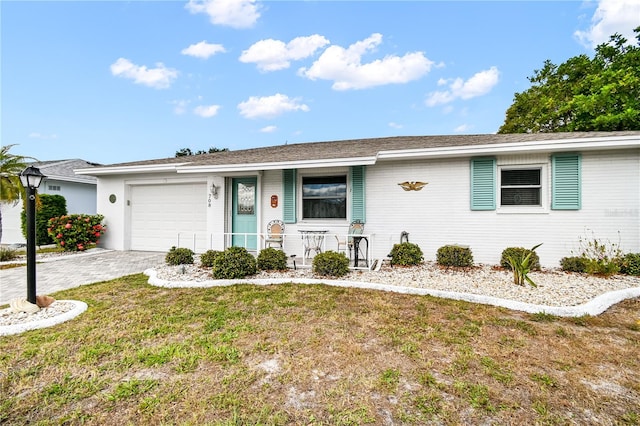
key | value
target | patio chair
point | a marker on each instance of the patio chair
(275, 234)
(355, 228)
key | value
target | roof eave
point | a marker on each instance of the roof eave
(621, 142)
(281, 165)
(87, 181)
(119, 170)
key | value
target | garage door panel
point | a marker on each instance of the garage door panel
(163, 216)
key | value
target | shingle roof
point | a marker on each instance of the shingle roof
(357, 148)
(64, 169)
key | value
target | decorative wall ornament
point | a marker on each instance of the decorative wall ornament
(413, 186)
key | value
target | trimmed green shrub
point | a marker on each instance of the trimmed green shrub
(48, 206)
(453, 255)
(208, 257)
(406, 254)
(75, 232)
(574, 264)
(179, 256)
(519, 253)
(331, 263)
(271, 259)
(234, 263)
(630, 264)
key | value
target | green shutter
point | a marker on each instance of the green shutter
(483, 184)
(565, 185)
(289, 195)
(358, 205)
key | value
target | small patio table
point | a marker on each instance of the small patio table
(312, 240)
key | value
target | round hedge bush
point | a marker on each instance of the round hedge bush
(179, 256)
(271, 259)
(233, 263)
(406, 254)
(207, 258)
(574, 264)
(630, 264)
(519, 253)
(452, 255)
(331, 264)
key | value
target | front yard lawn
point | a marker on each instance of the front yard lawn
(315, 354)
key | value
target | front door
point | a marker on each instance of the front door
(244, 222)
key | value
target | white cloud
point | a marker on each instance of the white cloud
(345, 67)
(395, 125)
(479, 84)
(273, 55)
(180, 106)
(270, 106)
(611, 16)
(462, 128)
(160, 77)
(231, 13)
(206, 111)
(268, 129)
(203, 50)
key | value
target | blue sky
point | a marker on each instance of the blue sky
(118, 81)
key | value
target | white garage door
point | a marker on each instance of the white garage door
(163, 216)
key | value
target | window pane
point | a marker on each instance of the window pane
(331, 186)
(324, 197)
(328, 208)
(521, 177)
(246, 199)
(520, 197)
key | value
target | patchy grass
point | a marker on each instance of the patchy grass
(316, 355)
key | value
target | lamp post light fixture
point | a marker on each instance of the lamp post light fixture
(31, 177)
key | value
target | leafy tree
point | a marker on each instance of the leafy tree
(11, 190)
(185, 152)
(582, 94)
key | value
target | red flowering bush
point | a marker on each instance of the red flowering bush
(75, 232)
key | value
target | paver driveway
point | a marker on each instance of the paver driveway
(74, 270)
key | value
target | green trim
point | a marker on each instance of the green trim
(483, 184)
(358, 199)
(566, 178)
(289, 196)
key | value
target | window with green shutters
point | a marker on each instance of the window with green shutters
(483, 184)
(566, 182)
(324, 196)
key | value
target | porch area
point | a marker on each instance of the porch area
(364, 250)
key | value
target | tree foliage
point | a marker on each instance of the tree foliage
(11, 166)
(185, 152)
(582, 94)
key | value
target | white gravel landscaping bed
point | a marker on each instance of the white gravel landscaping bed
(556, 292)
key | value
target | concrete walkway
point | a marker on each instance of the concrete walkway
(60, 273)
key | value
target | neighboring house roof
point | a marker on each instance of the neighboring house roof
(370, 151)
(63, 170)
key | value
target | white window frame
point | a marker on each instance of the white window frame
(544, 189)
(337, 172)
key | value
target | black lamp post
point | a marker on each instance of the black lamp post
(31, 178)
